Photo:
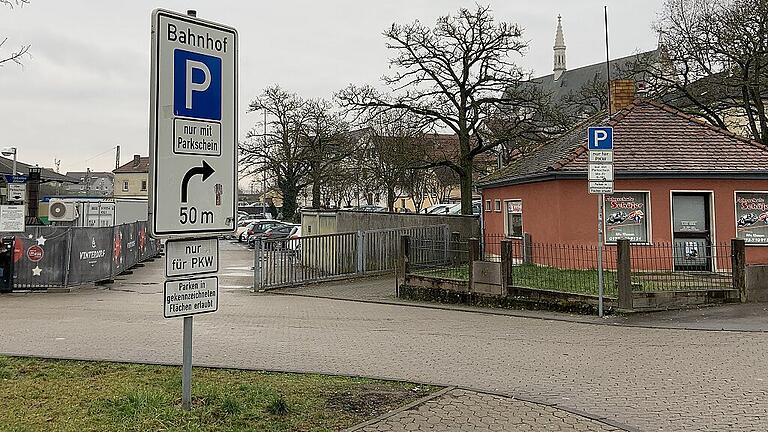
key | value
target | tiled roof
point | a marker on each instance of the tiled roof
(134, 166)
(6, 167)
(650, 139)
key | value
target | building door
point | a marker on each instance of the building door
(691, 231)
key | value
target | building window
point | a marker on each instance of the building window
(487, 205)
(513, 224)
(497, 205)
(626, 217)
(143, 185)
(125, 186)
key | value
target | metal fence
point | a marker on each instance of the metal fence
(52, 257)
(287, 262)
(442, 258)
(681, 267)
(569, 268)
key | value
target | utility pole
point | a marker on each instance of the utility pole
(264, 170)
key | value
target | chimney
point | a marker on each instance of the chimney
(622, 94)
(136, 160)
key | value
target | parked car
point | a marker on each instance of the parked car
(258, 227)
(242, 227)
(279, 232)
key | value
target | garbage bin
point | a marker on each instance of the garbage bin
(6, 263)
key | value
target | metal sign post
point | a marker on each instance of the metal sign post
(193, 161)
(600, 177)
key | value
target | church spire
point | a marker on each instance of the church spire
(559, 50)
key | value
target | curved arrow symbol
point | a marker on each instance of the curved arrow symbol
(204, 170)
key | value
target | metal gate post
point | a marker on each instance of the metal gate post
(360, 252)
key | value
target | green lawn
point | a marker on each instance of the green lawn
(58, 395)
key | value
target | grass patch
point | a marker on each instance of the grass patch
(59, 395)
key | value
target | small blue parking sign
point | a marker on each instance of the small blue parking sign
(600, 138)
(196, 85)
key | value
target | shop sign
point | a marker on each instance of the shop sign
(626, 217)
(752, 217)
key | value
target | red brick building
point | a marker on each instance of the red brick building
(678, 181)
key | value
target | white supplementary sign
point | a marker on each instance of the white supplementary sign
(601, 156)
(17, 192)
(193, 126)
(191, 296)
(600, 172)
(191, 257)
(12, 218)
(601, 187)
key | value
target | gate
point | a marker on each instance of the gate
(290, 262)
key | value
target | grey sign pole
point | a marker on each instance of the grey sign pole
(600, 281)
(186, 374)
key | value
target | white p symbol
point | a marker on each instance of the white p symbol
(193, 86)
(600, 135)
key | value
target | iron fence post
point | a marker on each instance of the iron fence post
(69, 255)
(527, 249)
(360, 252)
(739, 267)
(506, 266)
(473, 246)
(624, 273)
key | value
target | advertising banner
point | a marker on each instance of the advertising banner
(626, 217)
(90, 257)
(752, 217)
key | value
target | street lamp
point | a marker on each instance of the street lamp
(10, 151)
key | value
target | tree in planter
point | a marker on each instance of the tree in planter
(281, 152)
(715, 63)
(454, 76)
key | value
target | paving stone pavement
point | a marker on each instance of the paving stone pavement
(464, 410)
(648, 379)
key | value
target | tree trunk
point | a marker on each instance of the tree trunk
(316, 193)
(465, 181)
(290, 195)
(391, 199)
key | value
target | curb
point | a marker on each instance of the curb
(394, 412)
(510, 313)
(446, 387)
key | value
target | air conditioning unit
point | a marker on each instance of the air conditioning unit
(61, 211)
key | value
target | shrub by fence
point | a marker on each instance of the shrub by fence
(55, 257)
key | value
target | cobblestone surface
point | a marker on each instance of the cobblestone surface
(650, 379)
(463, 410)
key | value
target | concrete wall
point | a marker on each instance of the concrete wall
(757, 283)
(563, 212)
(467, 226)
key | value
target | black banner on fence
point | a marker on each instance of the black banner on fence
(40, 258)
(90, 256)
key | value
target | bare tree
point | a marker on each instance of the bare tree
(19, 53)
(326, 142)
(281, 151)
(716, 61)
(394, 150)
(453, 76)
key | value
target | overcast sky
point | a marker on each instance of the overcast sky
(85, 88)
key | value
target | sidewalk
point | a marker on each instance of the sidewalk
(455, 409)
(751, 317)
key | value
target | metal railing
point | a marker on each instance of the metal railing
(681, 266)
(441, 258)
(290, 262)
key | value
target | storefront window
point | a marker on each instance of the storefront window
(626, 217)
(514, 218)
(752, 217)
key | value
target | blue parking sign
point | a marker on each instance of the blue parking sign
(196, 85)
(600, 138)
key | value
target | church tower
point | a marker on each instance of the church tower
(559, 51)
